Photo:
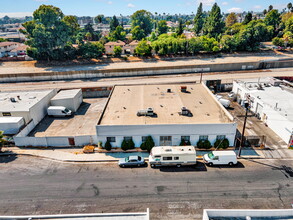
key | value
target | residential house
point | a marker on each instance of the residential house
(6, 47)
(109, 47)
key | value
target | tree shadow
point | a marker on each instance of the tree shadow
(7, 157)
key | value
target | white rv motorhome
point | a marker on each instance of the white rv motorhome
(172, 156)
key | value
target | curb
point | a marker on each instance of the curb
(95, 161)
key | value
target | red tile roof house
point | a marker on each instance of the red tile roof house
(109, 47)
(6, 47)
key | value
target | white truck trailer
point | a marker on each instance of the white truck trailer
(172, 156)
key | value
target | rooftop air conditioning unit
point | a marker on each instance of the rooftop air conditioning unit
(146, 112)
(183, 88)
(185, 111)
(12, 99)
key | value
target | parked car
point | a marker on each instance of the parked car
(132, 161)
(220, 158)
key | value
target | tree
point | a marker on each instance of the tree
(270, 8)
(117, 34)
(143, 49)
(2, 140)
(228, 43)
(289, 25)
(117, 51)
(114, 23)
(205, 144)
(289, 6)
(273, 18)
(214, 24)
(108, 145)
(222, 144)
(91, 50)
(148, 144)
(142, 19)
(265, 11)
(138, 33)
(247, 18)
(48, 34)
(278, 42)
(99, 18)
(2, 40)
(179, 29)
(231, 19)
(162, 27)
(198, 20)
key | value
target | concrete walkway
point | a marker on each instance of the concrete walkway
(76, 155)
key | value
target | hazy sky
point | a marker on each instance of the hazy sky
(21, 8)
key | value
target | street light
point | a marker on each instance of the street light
(246, 105)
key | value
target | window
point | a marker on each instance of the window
(185, 138)
(176, 158)
(6, 113)
(144, 138)
(221, 137)
(127, 138)
(203, 137)
(111, 139)
(165, 138)
(167, 158)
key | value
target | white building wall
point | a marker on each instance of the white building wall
(39, 110)
(174, 130)
(278, 123)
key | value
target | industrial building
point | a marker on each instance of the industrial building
(271, 100)
(22, 108)
(169, 113)
(70, 99)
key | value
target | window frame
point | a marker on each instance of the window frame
(109, 139)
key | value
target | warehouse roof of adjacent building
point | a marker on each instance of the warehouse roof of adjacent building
(66, 94)
(126, 101)
(278, 98)
(24, 100)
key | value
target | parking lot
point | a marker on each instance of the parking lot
(83, 122)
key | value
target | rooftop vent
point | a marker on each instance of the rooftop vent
(183, 88)
(186, 112)
(12, 99)
(169, 90)
(146, 112)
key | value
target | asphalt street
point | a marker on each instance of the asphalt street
(30, 185)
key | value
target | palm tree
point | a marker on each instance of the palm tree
(289, 6)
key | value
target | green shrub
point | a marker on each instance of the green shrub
(149, 143)
(108, 146)
(130, 144)
(204, 144)
(224, 144)
(143, 146)
(126, 145)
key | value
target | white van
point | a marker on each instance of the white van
(172, 156)
(59, 111)
(220, 158)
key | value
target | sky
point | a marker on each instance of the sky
(21, 8)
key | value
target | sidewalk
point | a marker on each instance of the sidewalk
(76, 155)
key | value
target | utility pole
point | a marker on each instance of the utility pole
(246, 105)
(200, 77)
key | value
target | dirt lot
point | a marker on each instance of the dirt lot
(82, 123)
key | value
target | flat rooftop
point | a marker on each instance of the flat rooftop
(272, 96)
(66, 94)
(26, 100)
(83, 122)
(126, 101)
